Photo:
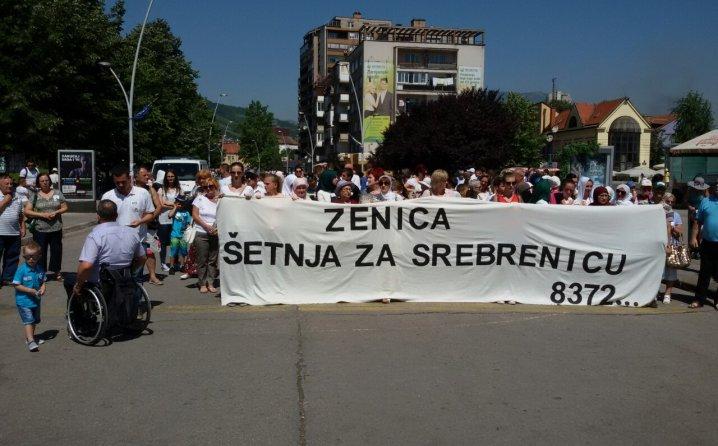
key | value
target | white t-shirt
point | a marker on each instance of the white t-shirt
(356, 180)
(55, 178)
(207, 211)
(132, 207)
(226, 181)
(287, 185)
(171, 196)
(30, 176)
(448, 193)
(244, 191)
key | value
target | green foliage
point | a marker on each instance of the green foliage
(575, 149)
(528, 140)
(53, 94)
(474, 128)
(694, 117)
(259, 146)
(658, 151)
(560, 104)
(226, 113)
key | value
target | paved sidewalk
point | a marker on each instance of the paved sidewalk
(72, 222)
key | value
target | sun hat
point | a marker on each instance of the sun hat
(698, 183)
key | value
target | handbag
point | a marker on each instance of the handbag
(31, 223)
(189, 234)
(677, 255)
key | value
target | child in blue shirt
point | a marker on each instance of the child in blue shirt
(29, 283)
(181, 219)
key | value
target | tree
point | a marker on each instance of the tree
(694, 117)
(528, 140)
(560, 104)
(257, 139)
(474, 128)
(179, 120)
(51, 94)
(576, 149)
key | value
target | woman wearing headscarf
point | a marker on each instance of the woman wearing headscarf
(612, 193)
(623, 195)
(601, 197)
(346, 192)
(299, 189)
(385, 190)
(541, 192)
(585, 187)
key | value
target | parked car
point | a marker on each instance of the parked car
(185, 168)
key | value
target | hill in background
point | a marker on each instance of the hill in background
(226, 113)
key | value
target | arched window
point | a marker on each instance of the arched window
(625, 137)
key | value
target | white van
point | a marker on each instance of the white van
(185, 168)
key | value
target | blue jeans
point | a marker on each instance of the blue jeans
(10, 250)
(29, 316)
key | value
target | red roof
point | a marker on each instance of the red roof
(660, 120)
(594, 114)
(561, 120)
(230, 148)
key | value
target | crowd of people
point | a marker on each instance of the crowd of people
(179, 228)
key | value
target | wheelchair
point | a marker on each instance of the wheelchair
(119, 302)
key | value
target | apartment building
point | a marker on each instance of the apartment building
(387, 71)
(322, 48)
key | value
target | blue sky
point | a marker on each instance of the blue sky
(652, 52)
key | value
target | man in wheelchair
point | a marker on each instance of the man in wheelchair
(110, 256)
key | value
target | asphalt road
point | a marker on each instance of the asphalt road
(417, 374)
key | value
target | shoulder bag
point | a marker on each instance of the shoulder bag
(677, 255)
(31, 223)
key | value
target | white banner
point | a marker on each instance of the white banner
(278, 251)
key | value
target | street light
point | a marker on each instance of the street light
(224, 138)
(359, 112)
(211, 125)
(259, 158)
(129, 99)
(286, 150)
(311, 140)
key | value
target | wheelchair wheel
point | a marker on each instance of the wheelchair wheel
(87, 317)
(144, 312)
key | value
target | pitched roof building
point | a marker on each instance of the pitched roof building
(615, 123)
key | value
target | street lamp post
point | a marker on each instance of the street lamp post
(311, 139)
(224, 138)
(359, 113)
(211, 125)
(129, 99)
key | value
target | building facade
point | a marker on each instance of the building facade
(322, 48)
(614, 123)
(389, 70)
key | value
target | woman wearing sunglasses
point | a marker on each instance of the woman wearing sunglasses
(623, 195)
(385, 192)
(206, 242)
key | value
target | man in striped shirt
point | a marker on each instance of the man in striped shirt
(12, 228)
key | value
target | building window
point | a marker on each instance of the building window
(572, 123)
(412, 78)
(625, 137)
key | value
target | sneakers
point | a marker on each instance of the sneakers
(667, 299)
(32, 346)
(39, 341)
(165, 267)
(184, 276)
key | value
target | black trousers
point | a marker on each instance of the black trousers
(709, 268)
(50, 242)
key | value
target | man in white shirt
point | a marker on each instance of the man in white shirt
(134, 204)
(28, 175)
(55, 178)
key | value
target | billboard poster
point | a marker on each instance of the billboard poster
(378, 101)
(470, 77)
(77, 174)
(597, 167)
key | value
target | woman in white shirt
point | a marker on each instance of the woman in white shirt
(439, 180)
(236, 187)
(206, 242)
(168, 193)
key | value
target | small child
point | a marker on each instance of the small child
(181, 219)
(29, 283)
